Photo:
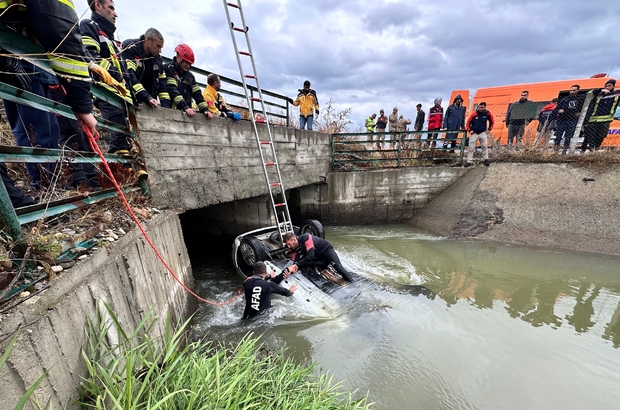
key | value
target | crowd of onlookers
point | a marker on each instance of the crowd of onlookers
(557, 122)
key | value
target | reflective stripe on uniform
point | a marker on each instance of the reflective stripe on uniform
(172, 81)
(127, 97)
(138, 87)
(203, 105)
(131, 65)
(163, 96)
(90, 42)
(195, 89)
(68, 3)
(177, 99)
(69, 66)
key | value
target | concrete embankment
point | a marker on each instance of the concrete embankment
(127, 277)
(556, 205)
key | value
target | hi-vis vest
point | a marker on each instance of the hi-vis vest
(61, 64)
(608, 105)
(370, 124)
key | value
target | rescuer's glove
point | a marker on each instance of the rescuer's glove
(107, 78)
(233, 115)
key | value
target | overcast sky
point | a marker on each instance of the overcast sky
(376, 54)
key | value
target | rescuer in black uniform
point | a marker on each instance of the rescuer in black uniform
(309, 251)
(258, 291)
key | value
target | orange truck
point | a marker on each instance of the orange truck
(499, 98)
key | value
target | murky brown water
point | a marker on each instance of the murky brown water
(504, 326)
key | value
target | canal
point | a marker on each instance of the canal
(497, 326)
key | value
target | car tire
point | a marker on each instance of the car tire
(252, 250)
(313, 227)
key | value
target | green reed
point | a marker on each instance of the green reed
(140, 371)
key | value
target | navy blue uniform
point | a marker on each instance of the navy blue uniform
(258, 295)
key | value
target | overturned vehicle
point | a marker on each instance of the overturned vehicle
(265, 244)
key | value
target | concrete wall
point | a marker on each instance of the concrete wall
(556, 205)
(374, 197)
(127, 277)
(346, 198)
(195, 162)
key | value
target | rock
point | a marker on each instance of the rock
(113, 236)
(24, 294)
(66, 264)
(107, 217)
(82, 257)
(121, 231)
(38, 286)
(40, 268)
(57, 268)
(78, 250)
(109, 239)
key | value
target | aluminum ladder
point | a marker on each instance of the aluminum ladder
(266, 148)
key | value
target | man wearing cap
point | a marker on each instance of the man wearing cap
(258, 291)
(600, 115)
(308, 104)
(393, 125)
(380, 127)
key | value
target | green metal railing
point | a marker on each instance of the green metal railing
(363, 150)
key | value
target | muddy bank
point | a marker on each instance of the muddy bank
(556, 205)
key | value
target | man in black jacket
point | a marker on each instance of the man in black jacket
(601, 113)
(516, 126)
(100, 45)
(145, 68)
(258, 291)
(480, 122)
(567, 113)
(310, 251)
(182, 87)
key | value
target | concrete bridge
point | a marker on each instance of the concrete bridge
(211, 168)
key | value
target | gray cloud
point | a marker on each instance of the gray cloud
(377, 54)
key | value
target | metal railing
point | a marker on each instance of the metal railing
(367, 151)
(276, 101)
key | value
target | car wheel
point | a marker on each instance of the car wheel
(252, 250)
(313, 227)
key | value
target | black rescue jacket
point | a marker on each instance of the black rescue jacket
(258, 295)
(182, 88)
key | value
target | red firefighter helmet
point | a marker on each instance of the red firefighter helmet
(185, 52)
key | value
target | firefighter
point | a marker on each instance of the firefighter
(600, 115)
(98, 40)
(56, 30)
(215, 101)
(145, 68)
(181, 84)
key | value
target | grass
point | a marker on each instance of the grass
(141, 372)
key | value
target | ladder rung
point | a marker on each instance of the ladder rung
(250, 76)
(239, 29)
(265, 142)
(255, 99)
(269, 164)
(282, 204)
(232, 5)
(244, 53)
(275, 184)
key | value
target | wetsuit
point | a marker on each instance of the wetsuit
(314, 251)
(258, 295)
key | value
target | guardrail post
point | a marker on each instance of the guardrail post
(463, 139)
(288, 115)
(8, 219)
(400, 148)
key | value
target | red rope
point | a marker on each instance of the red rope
(93, 144)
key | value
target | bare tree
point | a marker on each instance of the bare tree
(333, 121)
